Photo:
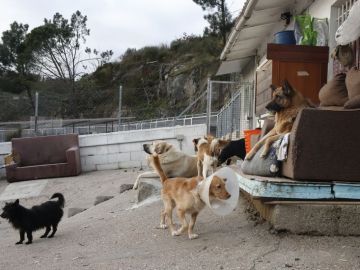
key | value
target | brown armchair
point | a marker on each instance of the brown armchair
(44, 157)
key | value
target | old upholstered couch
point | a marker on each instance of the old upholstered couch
(44, 157)
(324, 145)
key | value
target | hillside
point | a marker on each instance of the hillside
(157, 81)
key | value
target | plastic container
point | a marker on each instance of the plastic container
(247, 134)
(221, 207)
(285, 37)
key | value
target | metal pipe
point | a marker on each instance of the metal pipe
(36, 111)
(224, 82)
(120, 101)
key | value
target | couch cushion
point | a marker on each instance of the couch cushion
(40, 171)
(353, 82)
(43, 149)
(334, 93)
(268, 166)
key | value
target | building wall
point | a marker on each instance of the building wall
(318, 9)
(119, 150)
(321, 8)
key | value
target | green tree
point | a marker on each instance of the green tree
(15, 61)
(56, 48)
(219, 18)
(56, 51)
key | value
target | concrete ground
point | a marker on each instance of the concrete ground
(118, 235)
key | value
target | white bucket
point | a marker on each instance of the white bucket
(221, 207)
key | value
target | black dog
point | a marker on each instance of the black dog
(233, 148)
(26, 220)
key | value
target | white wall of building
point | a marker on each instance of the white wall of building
(124, 149)
(319, 9)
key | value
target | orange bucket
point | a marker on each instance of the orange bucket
(247, 134)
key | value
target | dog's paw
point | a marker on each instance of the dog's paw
(163, 226)
(175, 233)
(43, 236)
(249, 156)
(28, 243)
(135, 186)
(50, 236)
(18, 243)
(193, 236)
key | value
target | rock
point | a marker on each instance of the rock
(100, 199)
(125, 187)
(75, 210)
(148, 188)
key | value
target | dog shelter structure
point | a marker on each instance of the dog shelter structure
(287, 203)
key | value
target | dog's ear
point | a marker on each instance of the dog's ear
(195, 141)
(223, 143)
(272, 87)
(16, 202)
(288, 90)
(168, 147)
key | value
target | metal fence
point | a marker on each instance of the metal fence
(93, 126)
(229, 119)
(237, 114)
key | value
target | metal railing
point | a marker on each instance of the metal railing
(235, 116)
(94, 126)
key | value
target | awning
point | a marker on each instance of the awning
(227, 67)
(256, 22)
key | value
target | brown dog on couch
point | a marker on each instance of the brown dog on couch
(286, 103)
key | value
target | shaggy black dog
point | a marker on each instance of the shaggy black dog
(233, 148)
(26, 220)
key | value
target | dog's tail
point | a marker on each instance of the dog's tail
(61, 199)
(158, 169)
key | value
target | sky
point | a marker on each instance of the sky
(117, 24)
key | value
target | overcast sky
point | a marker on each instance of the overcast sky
(117, 24)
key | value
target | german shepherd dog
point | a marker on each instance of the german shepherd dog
(286, 103)
(26, 220)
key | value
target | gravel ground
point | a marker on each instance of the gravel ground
(118, 235)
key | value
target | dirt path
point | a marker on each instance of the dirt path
(110, 236)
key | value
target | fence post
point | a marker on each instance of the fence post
(36, 111)
(208, 109)
(119, 109)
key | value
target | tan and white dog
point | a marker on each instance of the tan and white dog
(174, 162)
(208, 150)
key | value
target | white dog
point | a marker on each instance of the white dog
(174, 162)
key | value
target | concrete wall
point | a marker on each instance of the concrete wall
(5, 149)
(124, 149)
